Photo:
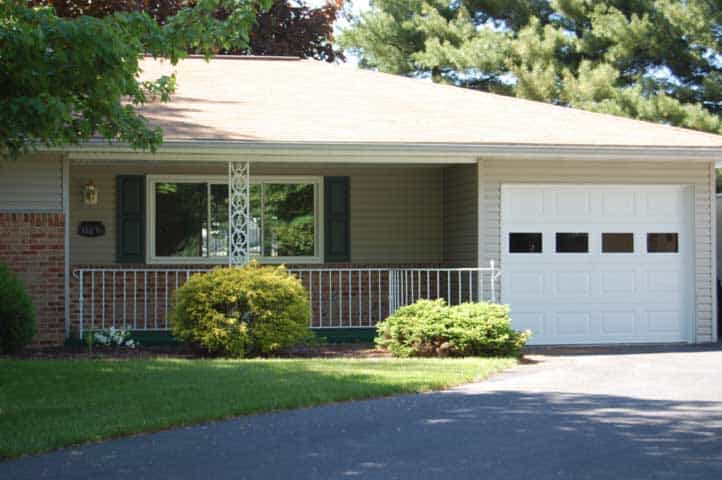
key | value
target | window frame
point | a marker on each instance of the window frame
(152, 180)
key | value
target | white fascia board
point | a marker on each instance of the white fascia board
(338, 152)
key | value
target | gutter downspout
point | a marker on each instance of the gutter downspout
(713, 211)
(66, 241)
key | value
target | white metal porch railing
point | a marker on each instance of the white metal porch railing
(346, 297)
(141, 298)
(455, 285)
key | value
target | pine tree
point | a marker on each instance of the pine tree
(657, 60)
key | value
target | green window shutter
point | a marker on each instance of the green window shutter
(337, 191)
(130, 212)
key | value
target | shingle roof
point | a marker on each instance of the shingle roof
(311, 101)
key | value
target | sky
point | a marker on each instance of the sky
(357, 7)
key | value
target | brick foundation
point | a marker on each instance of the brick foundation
(32, 246)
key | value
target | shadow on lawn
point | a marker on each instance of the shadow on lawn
(453, 434)
(47, 404)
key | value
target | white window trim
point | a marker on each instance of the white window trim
(152, 180)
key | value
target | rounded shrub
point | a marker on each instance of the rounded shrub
(242, 311)
(17, 315)
(432, 328)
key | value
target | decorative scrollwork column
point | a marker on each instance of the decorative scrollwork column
(239, 190)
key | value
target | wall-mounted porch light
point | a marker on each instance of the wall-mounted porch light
(90, 194)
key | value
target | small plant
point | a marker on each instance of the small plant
(113, 337)
(17, 315)
(88, 339)
(432, 328)
(237, 312)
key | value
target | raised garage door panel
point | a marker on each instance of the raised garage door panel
(598, 296)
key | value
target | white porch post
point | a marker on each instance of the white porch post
(239, 189)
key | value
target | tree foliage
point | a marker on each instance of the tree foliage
(296, 30)
(286, 28)
(658, 60)
(65, 80)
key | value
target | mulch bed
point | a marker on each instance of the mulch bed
(338, 350)
(81, 352)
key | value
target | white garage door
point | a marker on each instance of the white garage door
(586, 264)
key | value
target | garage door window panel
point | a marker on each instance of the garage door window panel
(522, 242)
(662, 243)
(617, 243)
(572, 242)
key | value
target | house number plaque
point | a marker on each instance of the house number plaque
(91, 229)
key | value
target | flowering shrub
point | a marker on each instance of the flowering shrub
(113, 337)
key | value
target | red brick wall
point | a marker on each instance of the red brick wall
(32, 245)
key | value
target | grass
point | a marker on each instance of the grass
(48, 404)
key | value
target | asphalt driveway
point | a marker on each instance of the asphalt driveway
(655, 414)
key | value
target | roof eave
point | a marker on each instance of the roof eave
(374, 152)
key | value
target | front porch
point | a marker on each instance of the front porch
(410, 229)
(139, 298)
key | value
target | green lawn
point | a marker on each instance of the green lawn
(47, 404)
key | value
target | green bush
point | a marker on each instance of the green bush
(17, 315)
(432, 328)
(252, 310)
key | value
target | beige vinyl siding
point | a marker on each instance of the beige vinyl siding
(396, 212)
(493, 173)
(31, 184)
(460, 216)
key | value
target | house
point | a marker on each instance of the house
(376, 190)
